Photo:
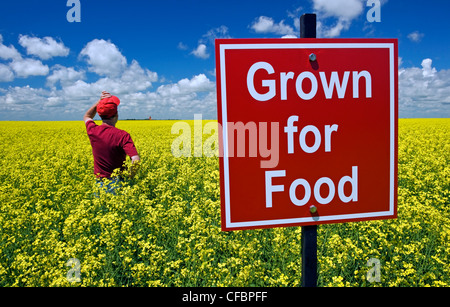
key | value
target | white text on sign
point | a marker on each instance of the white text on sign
(271, 188)
(328, 86)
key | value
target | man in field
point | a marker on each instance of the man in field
(110, 145)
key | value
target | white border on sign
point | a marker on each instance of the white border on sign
(223, 47)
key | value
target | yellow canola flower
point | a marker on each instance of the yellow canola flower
(163, 227)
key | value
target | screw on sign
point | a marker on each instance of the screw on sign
(331, 105)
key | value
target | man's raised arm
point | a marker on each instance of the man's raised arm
(90, 114)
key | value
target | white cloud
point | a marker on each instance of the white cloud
(208, 39)
(424, 92)
(182, 99)
(415, 36)
(136, 74)
(104, 58)
(44, 48)
(29, 67)
(212, 34)
(69, 91)
(8, 53)
(28, 103)
(199, 83)
(334, 30)
(73, 87)
(188, 97)
(264, 24)
(64, 75)
(6, 74)
(182, 46)
(344, 11)
(81, 91)
(200, 52)
(19, 98)
(176, 100)
(134, 79)
(427, 69)
(333, 17)
(294, 15)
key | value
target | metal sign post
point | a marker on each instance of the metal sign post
(309, 233)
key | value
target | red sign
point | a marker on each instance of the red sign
(308, 131)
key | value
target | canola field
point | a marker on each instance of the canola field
(58, 228)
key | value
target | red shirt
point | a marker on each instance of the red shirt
(109, 147)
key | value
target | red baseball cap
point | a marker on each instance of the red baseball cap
(107, 107)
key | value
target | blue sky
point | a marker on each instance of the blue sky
(158, 56)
